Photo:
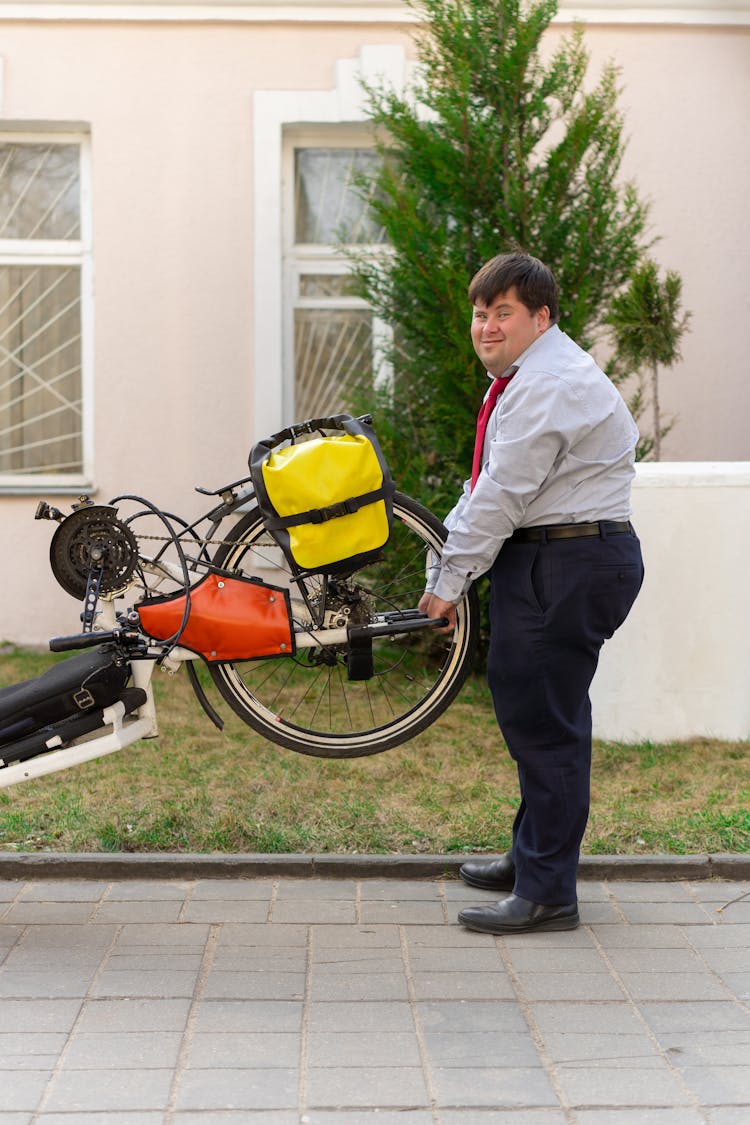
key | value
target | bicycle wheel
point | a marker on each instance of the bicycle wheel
(309, 702)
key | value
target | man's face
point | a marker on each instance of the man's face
(501, 331)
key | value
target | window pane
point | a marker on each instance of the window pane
(327, 208)
(327, 285)
(39, 191)
(332, 357)
(40, 369)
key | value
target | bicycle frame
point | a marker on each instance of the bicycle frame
(311, 627)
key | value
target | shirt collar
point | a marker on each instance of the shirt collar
(545, 336)
(525, 355)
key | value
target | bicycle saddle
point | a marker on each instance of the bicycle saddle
(78, 684)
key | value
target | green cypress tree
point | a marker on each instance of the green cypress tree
(495, 148)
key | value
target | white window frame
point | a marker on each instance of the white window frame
(304, 258)
(278, 113)
(78, 252)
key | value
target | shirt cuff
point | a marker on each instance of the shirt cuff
(432, 573)
(451, 587)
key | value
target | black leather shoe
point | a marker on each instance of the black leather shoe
(497, 875)
(516, 915)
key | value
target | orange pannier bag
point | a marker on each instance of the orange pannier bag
(230, 618)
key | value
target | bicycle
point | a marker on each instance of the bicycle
(333, 666)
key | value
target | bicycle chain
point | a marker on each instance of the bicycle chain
(197, 542)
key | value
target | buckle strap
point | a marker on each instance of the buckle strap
(542, 534)
(331, 512)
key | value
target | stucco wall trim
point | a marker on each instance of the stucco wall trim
(688, 474)
(707, 12)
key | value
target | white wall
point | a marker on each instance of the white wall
(678, 668)
(680, 665)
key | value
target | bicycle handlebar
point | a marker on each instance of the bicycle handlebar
(91, 640)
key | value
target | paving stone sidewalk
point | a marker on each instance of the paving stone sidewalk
(360, 1001)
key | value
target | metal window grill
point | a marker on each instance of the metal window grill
(334, 352)
(40, 309)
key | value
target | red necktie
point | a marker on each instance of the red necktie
(496, 389)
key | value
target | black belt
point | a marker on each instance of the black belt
(542, 534)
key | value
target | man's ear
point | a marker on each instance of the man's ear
(543, 318)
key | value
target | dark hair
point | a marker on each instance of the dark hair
(532, 280)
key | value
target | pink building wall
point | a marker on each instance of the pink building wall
(178, 342)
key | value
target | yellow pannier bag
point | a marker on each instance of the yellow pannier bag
(327, 500)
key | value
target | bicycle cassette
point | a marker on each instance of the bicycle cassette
(91, 540)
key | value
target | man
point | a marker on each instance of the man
(547, 515)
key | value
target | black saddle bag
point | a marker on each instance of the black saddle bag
(83, 683)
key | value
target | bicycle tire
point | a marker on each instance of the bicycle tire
(306, 703)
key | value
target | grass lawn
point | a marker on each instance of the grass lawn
(452, 789)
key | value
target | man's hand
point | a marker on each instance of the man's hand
(436, 607)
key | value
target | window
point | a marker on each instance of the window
(43, 259)
(334, 344)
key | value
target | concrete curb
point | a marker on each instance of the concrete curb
(169, 865)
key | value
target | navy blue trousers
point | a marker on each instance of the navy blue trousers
(552, 606)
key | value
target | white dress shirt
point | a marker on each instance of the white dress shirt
(559, 448)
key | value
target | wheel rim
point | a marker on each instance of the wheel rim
(308, 702)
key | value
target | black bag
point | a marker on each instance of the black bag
(86, 682)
